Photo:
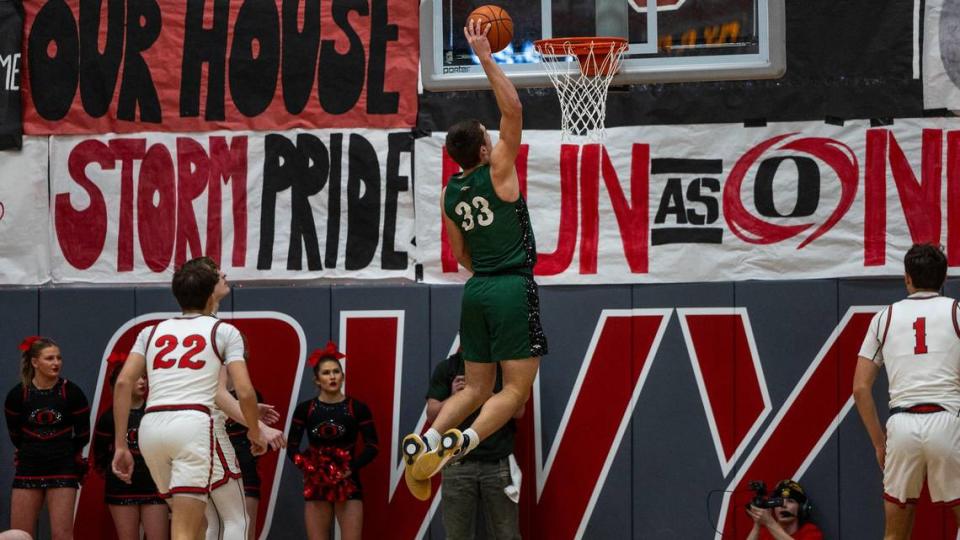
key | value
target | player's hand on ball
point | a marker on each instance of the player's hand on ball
(123, 464)
(476, 34)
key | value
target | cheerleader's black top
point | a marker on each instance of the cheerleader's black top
(49, 428)
(141, 489)
(339, 424)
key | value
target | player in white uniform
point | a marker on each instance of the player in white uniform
(918, 341)
(182, 358)
(227, 513)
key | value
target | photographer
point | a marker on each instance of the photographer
(789, 520)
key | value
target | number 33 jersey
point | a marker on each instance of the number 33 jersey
(497, 232)
(184, 356)
(918, 341)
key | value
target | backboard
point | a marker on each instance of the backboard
(670, 40)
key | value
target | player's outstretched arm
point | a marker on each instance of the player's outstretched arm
(863, 379)
(505, 152)
(231, 407)
(247, 397)
(133, 369)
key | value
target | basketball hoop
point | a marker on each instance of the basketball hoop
(582, 84)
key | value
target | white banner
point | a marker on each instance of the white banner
(291, 205)
(722, 202)
(941, 55)
(24, 222)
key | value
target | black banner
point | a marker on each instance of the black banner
(11, 34)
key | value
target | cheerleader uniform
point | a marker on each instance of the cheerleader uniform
(336, 424)
(248, 462)
(49, 429)
(141, 489)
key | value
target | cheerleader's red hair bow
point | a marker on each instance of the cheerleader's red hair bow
(329, 352)
(28, 342)
(117, 357)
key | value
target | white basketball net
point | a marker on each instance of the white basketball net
(582, 82)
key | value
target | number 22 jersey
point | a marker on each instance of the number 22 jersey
(184, 356)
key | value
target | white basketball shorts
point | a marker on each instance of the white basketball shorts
(178, 447)
(922, 446)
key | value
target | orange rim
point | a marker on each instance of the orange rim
(579, 46)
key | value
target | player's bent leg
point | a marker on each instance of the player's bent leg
(156, 521)
(899, 520)
(60, 505)
(518, 377)
(318, 516)
(350, 518)
(228, 504)
(25, 507)
(214, 525)
(126, 520)
(187, 521)
(480, 378)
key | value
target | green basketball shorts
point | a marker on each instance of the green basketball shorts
(500, 318)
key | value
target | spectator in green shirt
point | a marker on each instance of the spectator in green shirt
(474, 485)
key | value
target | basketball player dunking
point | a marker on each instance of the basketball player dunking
(182, 359)
(489, 229)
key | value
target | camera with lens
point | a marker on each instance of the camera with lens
(760, 499)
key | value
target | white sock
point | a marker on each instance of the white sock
(472, 439)
(432, 437)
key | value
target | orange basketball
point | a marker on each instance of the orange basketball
(501, 29)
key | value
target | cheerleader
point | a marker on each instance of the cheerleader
(137, 503)
(334, 423)
(48, 421)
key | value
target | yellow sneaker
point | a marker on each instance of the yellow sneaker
(413, 447)
(431, 462)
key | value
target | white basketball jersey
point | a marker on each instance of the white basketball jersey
(184, 356)
(918, 341)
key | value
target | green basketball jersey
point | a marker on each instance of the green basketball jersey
(497, 233)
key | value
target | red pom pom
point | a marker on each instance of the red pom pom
(325, 474)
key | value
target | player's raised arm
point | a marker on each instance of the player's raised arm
(503, 173)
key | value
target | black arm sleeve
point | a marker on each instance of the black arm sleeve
(79, 409)
(103, 441)
(13, 410)
(297, 425)
(368, 432)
